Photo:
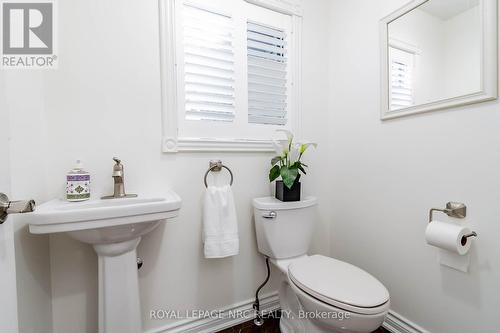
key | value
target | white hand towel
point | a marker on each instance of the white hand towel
(220, 225)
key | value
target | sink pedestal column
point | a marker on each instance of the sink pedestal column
(119, 304)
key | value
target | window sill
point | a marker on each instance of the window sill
(171, 145)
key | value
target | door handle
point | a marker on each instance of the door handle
(14, 207)
(270, 215)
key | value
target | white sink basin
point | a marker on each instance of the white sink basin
(114, 228)
(62, 216)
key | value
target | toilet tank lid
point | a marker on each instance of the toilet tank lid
(271, 203)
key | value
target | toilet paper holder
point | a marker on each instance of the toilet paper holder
(457, 210)
(453, 209)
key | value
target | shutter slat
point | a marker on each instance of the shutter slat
(206, 46)
(268, 111)
(401, 97)
(265, 39)
(267, 64)
(208, 111)
(397, 90)
(209, 80)
(266, 93)
(262, 79)
(195, 28)
(209, 97)
(209, 106)
(198, 16)
(209, 88)
(267, 75)
(210, 62)
(263, 47)
(263, 30)
(261, 104)
(266, 120)
(271, 105)
(266, 55)
(208, 65)
(401, 85)
(209, 115)
(208, 71)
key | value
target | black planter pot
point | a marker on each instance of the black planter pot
(284, 193)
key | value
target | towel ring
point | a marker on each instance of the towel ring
(217, 166)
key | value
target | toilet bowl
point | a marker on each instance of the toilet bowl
(318, 294)
(336, 296)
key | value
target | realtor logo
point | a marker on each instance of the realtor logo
(28, 34)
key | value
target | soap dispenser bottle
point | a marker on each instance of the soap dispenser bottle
(78, 183)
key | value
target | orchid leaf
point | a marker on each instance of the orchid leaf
(299, 166)
(274, 173)
(275, 160)
(302, 169)
(289, 175)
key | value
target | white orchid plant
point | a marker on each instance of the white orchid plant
(288, 164)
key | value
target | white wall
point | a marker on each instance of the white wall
(8, 285)
(104, 101)
(462, 51)
(387, 175)
(23, 101)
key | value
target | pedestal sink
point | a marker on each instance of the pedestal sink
(114, 228)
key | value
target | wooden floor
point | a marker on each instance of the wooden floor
(271, 325)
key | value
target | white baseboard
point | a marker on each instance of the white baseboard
(396, 323)
(268, 303)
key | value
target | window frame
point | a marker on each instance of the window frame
(171, 141)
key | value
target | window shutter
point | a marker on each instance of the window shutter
(401, 85)
(267, 75)
(208, 65)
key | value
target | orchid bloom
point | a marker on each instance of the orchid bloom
(282, 146)
(305, 145)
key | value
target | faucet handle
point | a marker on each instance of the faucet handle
(117, 168)
(14, 207)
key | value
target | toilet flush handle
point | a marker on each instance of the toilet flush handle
(270, 215)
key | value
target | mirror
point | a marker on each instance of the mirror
(437, 54)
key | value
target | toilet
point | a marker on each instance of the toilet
(318, 294)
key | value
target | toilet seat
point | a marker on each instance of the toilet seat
(339, 284)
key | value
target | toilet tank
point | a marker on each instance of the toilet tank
(284, 229)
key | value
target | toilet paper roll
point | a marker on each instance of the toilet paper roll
(447, 236)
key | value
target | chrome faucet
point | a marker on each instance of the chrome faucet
(119, 186)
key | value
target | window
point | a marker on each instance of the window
(231, 81)
(208, 65)
(401, 69)
(267, 75)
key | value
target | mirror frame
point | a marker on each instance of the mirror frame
(489, 64)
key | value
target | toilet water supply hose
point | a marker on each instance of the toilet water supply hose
(259, 321)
